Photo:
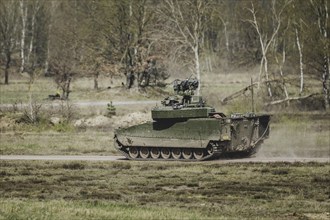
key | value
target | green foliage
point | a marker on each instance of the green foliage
(111, 109)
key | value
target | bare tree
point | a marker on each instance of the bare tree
(36, 5)
(301, 64)
(264, 40)
(65, 51)
(8, 32)
(321, 9)
(64, 73)
(184, 27)
(51, 14)
(28, 13)
(23, 10)
(137, 53)
(281, 64)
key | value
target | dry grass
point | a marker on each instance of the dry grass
(82, 90)
(52, 143)
(158, 190)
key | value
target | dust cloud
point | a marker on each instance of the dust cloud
(301, 139)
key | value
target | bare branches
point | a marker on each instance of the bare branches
(187, 19)
(265, 42)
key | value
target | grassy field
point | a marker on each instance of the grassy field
(155, 190)
(82, 90)
(159, 190)
(58, 143)
(20, 94)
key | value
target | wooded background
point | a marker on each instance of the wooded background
(148, 40)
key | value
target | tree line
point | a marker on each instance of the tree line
(148, 39)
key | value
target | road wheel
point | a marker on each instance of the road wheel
(198, 153)
(165, 153)
(176, 153)
(155, 152)
(133, 152)
(187, 153)
(144, 152)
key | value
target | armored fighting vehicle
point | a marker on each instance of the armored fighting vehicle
(185, 128)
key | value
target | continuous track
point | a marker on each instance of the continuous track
(178, 154)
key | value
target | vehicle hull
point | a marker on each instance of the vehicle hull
(203, 138)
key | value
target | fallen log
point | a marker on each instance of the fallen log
(236, 94)
(290, 99)
(242, 91)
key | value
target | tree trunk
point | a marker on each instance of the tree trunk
(260, 71)
(264, 66)
(225, 33)
(300, 63)
(8, 55)
(326, 83)
(96, 81)
(197, 68)
(48, 43)
(323, 24)
(32, 115)
(6, 76)
(32, 38)
(130, 79)
(326, 59)
(282, 75)
(281, 71)
(67, 88)
(267, 77)
(24, 18)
